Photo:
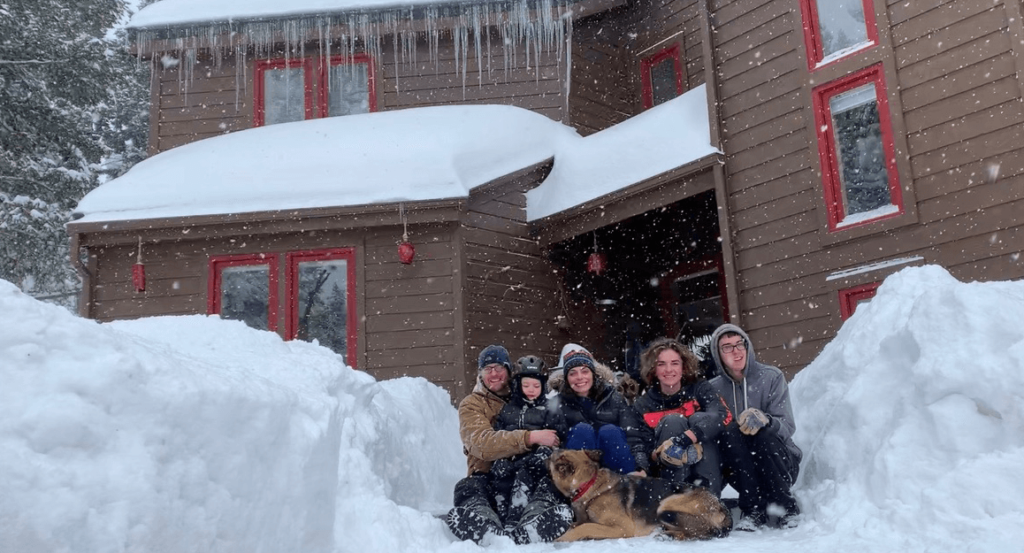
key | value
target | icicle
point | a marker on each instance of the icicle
(529, 28)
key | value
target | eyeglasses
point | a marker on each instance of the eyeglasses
(491, 369)
(728, 348)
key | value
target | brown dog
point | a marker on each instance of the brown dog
(609, 505)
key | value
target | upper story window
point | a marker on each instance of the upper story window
(284, 91)
(319, 300)
(836, 28)
(348, 85)
(661, 76)
(297, 89)
(858, 160)
(850, 298)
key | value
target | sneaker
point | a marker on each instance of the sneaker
(470, 524)
(751, 522)
(546, 526)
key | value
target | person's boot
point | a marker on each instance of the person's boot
(469, 523)
(473, 517)
(545, 517)
(545, 525)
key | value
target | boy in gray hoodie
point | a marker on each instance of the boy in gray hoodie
(759, 458)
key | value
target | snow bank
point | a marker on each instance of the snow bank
(192, 434)
(197, 434)
(911, 419)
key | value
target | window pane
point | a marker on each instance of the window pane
(858, 136)
(663, 81)
(284, 95)
(245, 294)
(842, 24)
(322, 303)
(349, 92)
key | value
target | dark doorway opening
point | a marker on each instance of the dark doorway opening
(662, 277)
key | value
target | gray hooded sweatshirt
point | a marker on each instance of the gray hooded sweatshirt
(763, 387)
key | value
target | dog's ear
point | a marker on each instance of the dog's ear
(594, 454)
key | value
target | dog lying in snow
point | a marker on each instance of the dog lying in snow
(609, 505)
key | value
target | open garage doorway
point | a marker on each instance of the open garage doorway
(655, 274)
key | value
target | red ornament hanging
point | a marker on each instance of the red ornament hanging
(406, 251)
(597, 262)
(139, 271)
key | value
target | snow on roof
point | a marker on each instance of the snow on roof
(178, 12)
(658, 140)
(405, 155)
(416, 154)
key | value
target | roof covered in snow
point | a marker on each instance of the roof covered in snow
(167, 13)
(420, 154)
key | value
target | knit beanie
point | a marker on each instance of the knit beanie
(577, 359)
(494, 354)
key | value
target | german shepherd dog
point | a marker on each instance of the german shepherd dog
(609, 505)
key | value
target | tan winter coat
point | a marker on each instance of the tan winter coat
(480, 442)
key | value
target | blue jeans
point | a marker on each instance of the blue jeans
(609, 439)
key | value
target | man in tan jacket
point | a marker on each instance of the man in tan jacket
(475, 514)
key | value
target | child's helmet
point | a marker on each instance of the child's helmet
(531, 366)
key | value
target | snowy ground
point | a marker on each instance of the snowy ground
(192, 434)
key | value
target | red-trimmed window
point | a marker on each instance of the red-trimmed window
(842, 28)
(858, 159)
(321, 299)
(850, 298)
(285, 91)
(661, 76)
(244, 288)
(347, 86)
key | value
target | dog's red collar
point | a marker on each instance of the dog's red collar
(583, 489)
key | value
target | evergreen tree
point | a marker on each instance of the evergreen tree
(73, 111)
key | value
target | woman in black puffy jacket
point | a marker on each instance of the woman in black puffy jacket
(598, 417)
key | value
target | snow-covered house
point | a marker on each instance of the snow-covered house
(761, 161)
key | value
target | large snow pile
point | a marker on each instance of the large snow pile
(192, 434)
(197, 434)
(912, 419)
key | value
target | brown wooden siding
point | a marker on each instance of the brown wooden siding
(538, 86)
(211, 103)
(604, 90)
(510, 287)
(218, 99)
(407, 312)
(956, 107)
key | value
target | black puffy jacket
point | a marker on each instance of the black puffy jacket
(607, 406)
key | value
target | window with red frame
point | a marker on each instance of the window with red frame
(850, 298)
(844, 27)
(319, 302)
(321, 299)
(858, 160)
(244, 288)
(284, 89)
(661, 76)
